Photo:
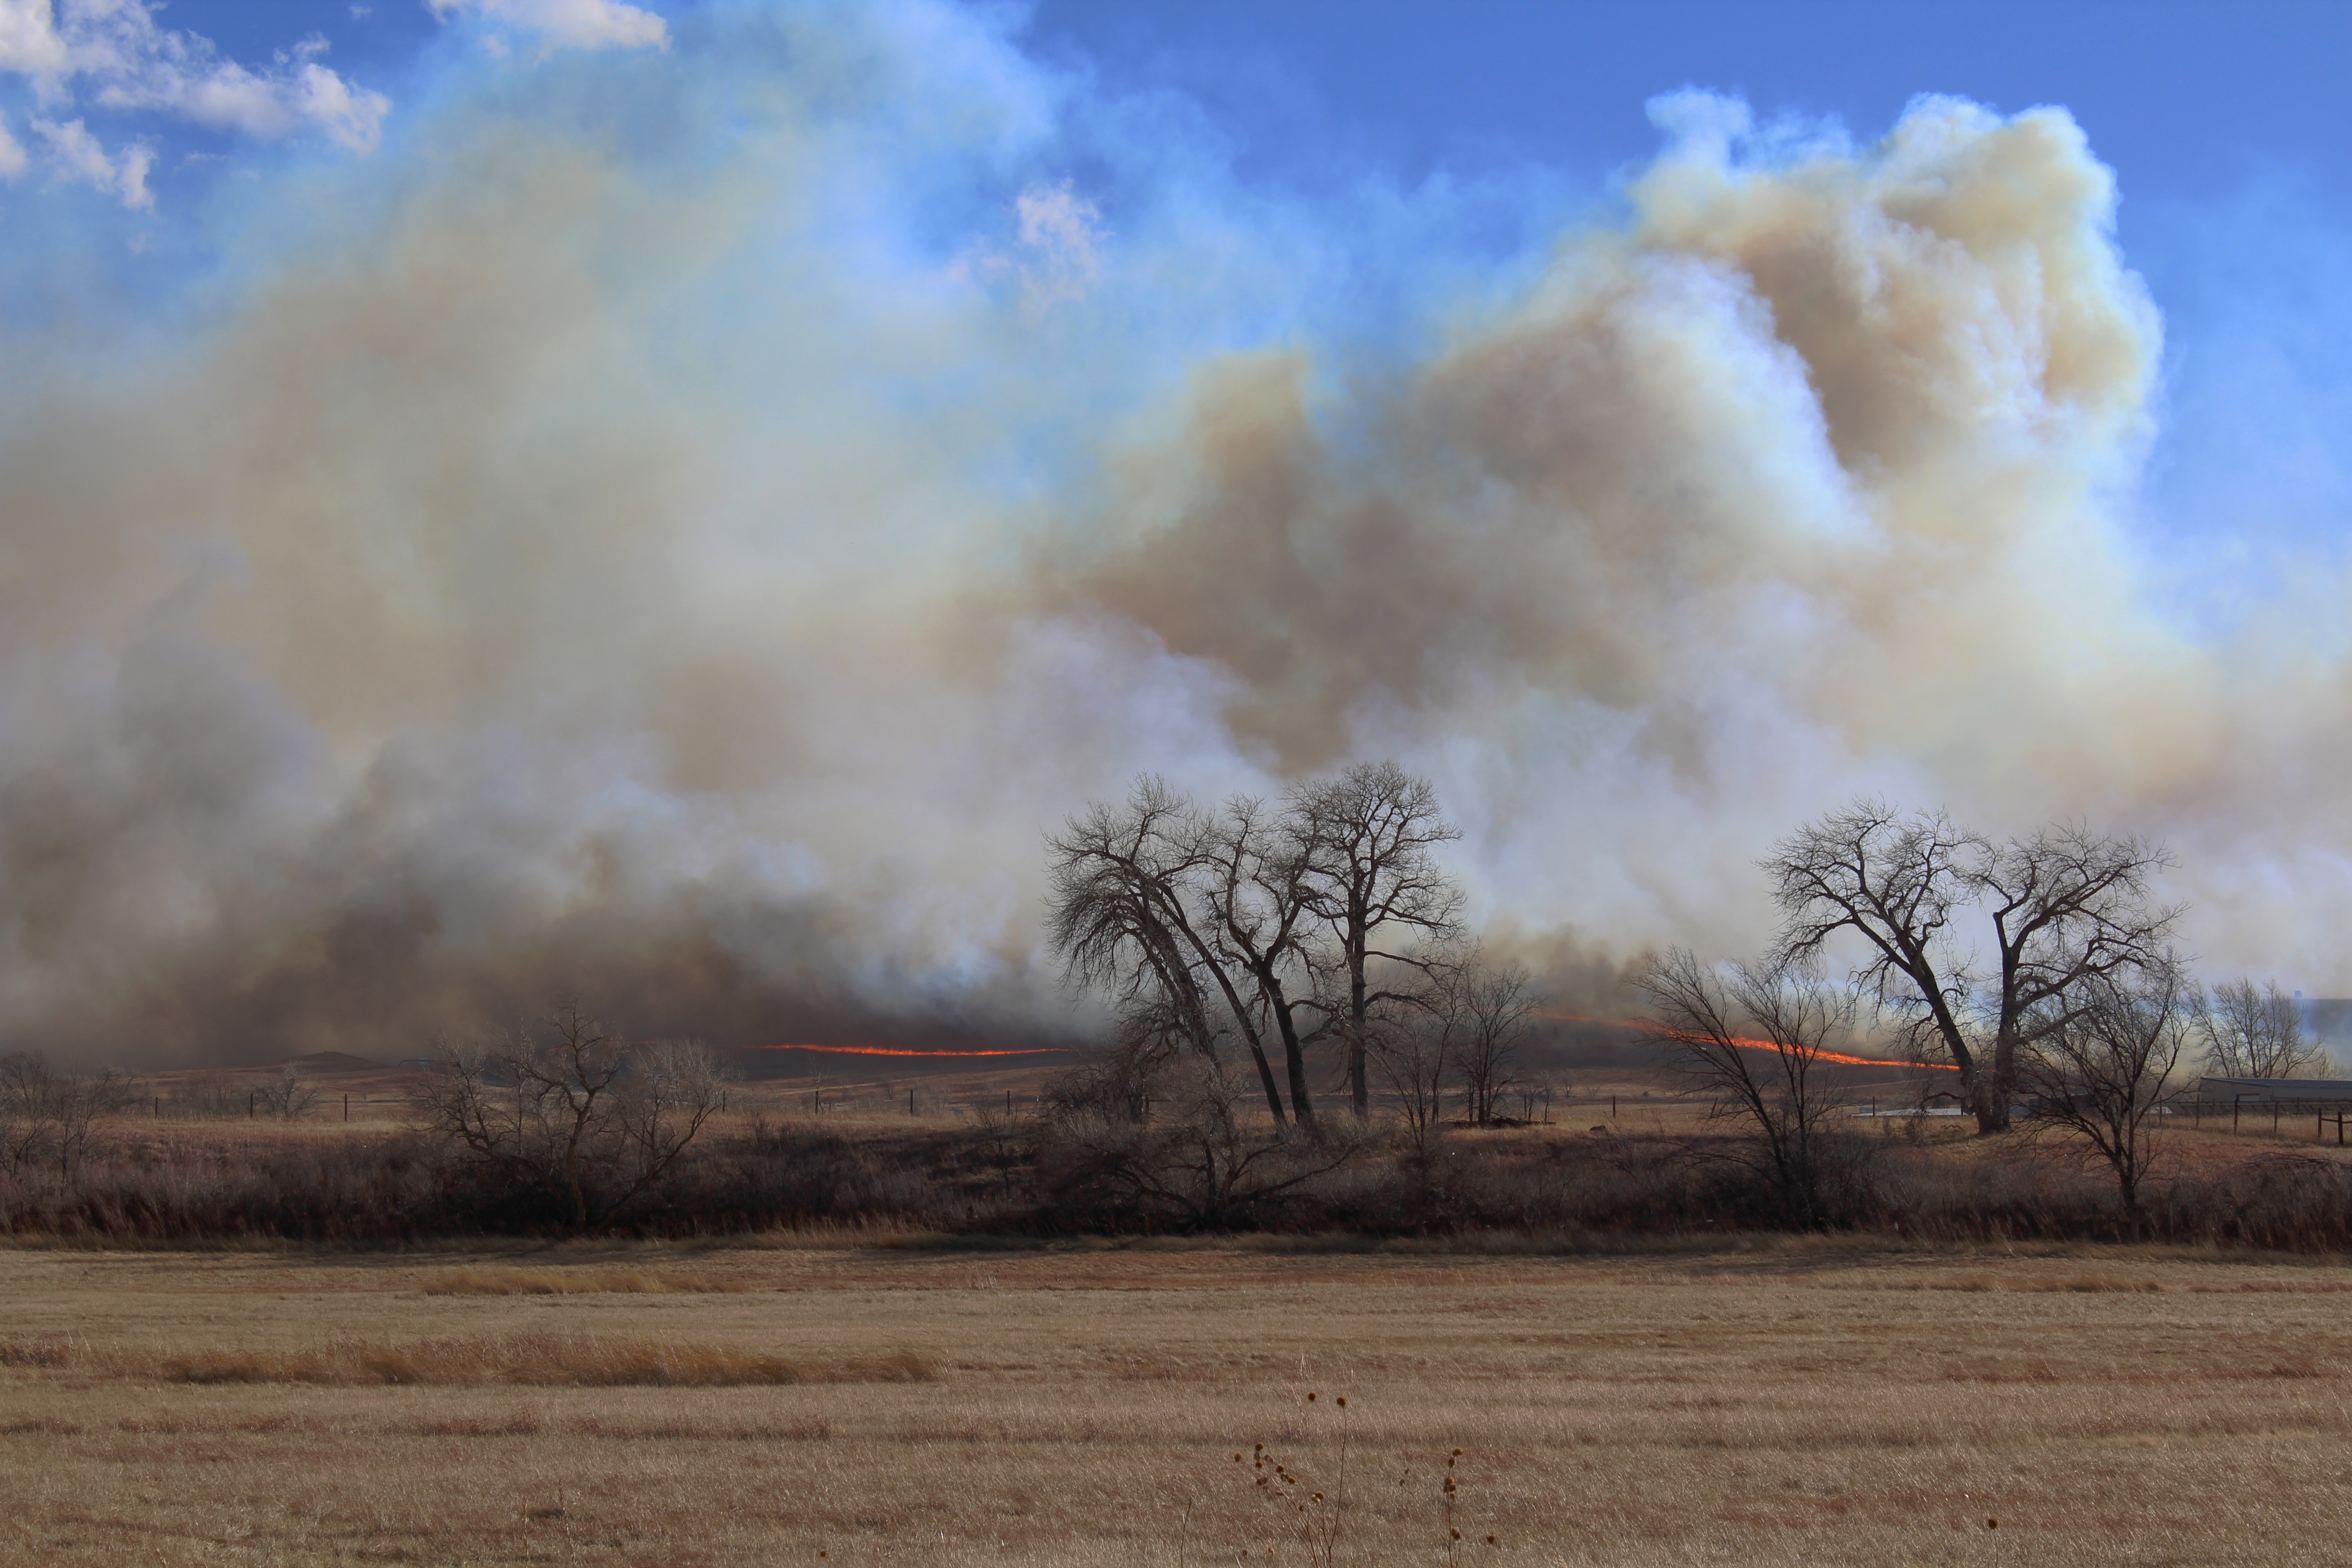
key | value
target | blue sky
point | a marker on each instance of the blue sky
(2188, 100)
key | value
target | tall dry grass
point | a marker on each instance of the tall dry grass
(526, 1361)
(180, 1186)
(508, 1281)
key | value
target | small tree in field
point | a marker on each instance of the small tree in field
(1414, 1052)
(287, 1096)
(576, 1115)
(1495, 1002)
(2106, 1075)
(1756, 1038)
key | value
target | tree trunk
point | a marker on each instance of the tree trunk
(1995, 1086)
(1266, 1077)
(1360, 1092)
(1302, 1107)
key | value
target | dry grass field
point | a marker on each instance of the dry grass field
(1815, 1402)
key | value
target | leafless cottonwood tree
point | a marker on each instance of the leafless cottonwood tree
(1756, 1038)
(575, 1114)
(1383, 900)
(2058, 913)
(1131, 914)
(2247, 1032)
(1272, 925)
(1260, 896)
(2105, 1074)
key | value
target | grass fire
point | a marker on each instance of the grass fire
(1166, 782)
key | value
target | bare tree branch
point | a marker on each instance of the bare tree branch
(2247, 1032)
(1373, 884)
(2105, 1072)
(1756, 1038)
(2060, 909)
(575, 1114)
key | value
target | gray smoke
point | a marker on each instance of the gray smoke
(604, 541)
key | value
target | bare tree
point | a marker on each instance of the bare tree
(1381, 896)
(1198, 925)
(1260, 894)
(1269, 925)
(2248, 1033)
(1756, 1038)
(289, 1095)
(1130, 916)
(577, 1115)
(2060, 911)
(49, 1118)
(24, 1099)
(2105, 1074)
(1494, 1003)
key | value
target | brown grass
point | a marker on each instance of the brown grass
(1815, 1402)
(579, 1281)
(2079, 1285)
(529, 1361)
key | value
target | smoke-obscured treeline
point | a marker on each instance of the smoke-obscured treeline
(1254, 950)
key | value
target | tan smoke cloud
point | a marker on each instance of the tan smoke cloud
(1811, 477)
(558, 572)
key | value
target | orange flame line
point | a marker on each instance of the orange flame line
(1746, 1043)
(894, 1051)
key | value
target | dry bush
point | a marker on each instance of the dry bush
(573, 1123)
(539, 1361)
(49, 1118)
(576, 1282)
(1194, 1165)
(1201, 1161)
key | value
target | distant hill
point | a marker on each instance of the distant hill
(336, 1061)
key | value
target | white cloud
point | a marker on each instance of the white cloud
(115, 52)
(1062, 232)
(29, 43)
(1058, 254)
(77, 155)
(352, 117)
(12, 155)
(581, 24)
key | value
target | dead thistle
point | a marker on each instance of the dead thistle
(1313, 1517)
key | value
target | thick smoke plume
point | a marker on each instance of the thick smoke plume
(682, 524)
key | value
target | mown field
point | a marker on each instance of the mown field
(1816, 1401)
